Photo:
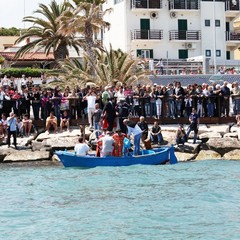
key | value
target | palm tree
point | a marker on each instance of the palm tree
(85, 19)
(45, 32)
(109, 66)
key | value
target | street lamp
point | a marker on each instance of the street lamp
(214, 39)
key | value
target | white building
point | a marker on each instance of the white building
(175, 29)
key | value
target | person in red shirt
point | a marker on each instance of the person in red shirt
(119, 142)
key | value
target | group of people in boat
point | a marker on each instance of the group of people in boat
(118, 143)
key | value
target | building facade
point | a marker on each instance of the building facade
(175, 29)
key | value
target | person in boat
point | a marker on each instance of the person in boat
(26, 125)
(136, 131)
(107, 144)
(51, 121)
(81, 148)
(119, 143)
(99, 143)
(64, 120)
(144, 127)
(156, 133)
(194, 123)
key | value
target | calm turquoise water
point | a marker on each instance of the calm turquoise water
(197, 200)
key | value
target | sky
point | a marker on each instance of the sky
(13, 11)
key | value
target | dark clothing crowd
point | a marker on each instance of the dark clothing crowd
(119, 101)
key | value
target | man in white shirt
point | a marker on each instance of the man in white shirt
(81, 148)
(136, 131)
(5, 82)
(107, 144)
(23, 82)
(91, 100)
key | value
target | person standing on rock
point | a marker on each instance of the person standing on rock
(194, 123)
(12, 129)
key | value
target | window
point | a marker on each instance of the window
(145, 53)
(207, 23)
(217, 23)
(218, 53)
(208, 53)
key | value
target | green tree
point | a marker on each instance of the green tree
(110, 66)
(45, 32)
(2, 59)
(85, 18)
(9, 31)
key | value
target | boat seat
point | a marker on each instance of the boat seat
(145, 152)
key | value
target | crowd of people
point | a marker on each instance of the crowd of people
(156, 101)
(108, 107)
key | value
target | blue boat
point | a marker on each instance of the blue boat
(148, 157)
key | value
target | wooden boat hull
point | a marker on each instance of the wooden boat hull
(149, 157)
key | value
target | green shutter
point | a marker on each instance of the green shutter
(182, 53)
(151, 53)
(139, 53)
(228, 55)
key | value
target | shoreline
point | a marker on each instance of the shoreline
(214, 142)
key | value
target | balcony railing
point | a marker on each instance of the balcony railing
(185, 35)
(232, 5)
(147, 4)
(147, 34)
(184, 4)
(232, 36)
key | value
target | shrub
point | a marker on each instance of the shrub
(18, 72)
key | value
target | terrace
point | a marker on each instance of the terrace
(189, 35)
(184, 5)
(146, 4)
(139, 34)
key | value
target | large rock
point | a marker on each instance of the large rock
(208, 155)
(183, 156)
(40, 146)
(61, 143)
(72, 133)
(169, 137)
(188, 148)
(223, 145)
(231, 134)
(26, 155)
(232, 155)
(4, 151)
(219, 128)
(207, 135)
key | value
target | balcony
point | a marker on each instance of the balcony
(146, 4)
(189, 35)
(139, 34)
(233, 39)
(232, 8)
(184, 4)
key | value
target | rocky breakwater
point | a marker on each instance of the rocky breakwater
(214, 142)
(40, 149)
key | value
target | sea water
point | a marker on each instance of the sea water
(194, 200)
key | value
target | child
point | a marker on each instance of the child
(19, 127)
